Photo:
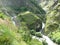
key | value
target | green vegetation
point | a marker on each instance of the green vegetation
(38, 34)
(52, 28)
(28, 17)
(35, 42)
(52, 21)
(31, 20)
(55, 36)
(2, 15)
(44, 43)
(11, 35)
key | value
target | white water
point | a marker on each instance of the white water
(39, 39)
(12, 18)
(43, 25)
(48, 40)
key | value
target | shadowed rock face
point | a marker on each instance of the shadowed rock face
(17, 3)
(13, 3)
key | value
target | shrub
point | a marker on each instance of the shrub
(6, 36)
(32, 32)
(44, 43)
(35, 42)
(38, 34)
(58, 40)
(55, 36)
(2, 15)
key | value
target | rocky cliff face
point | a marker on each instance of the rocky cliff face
(53, 19)
(47, 4)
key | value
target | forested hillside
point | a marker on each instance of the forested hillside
(29, 22)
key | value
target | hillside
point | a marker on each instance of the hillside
(30, 22)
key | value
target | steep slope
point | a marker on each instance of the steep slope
(11, 35)
(53, 20)
(52, 28)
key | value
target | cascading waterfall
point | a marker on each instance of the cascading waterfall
(46, 38)
(12, 18)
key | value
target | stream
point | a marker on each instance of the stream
(46, 38)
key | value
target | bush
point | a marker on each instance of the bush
(35, 42)
(26, 37)
(10, 37)
(32, 32)
(6, 36)
(2, 15)
(44, 43)
(38, 34)
(55, 36)
(58, 40)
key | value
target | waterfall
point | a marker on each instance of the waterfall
(15, 21)
(46, 38)
(12, 18)
(43, 25)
